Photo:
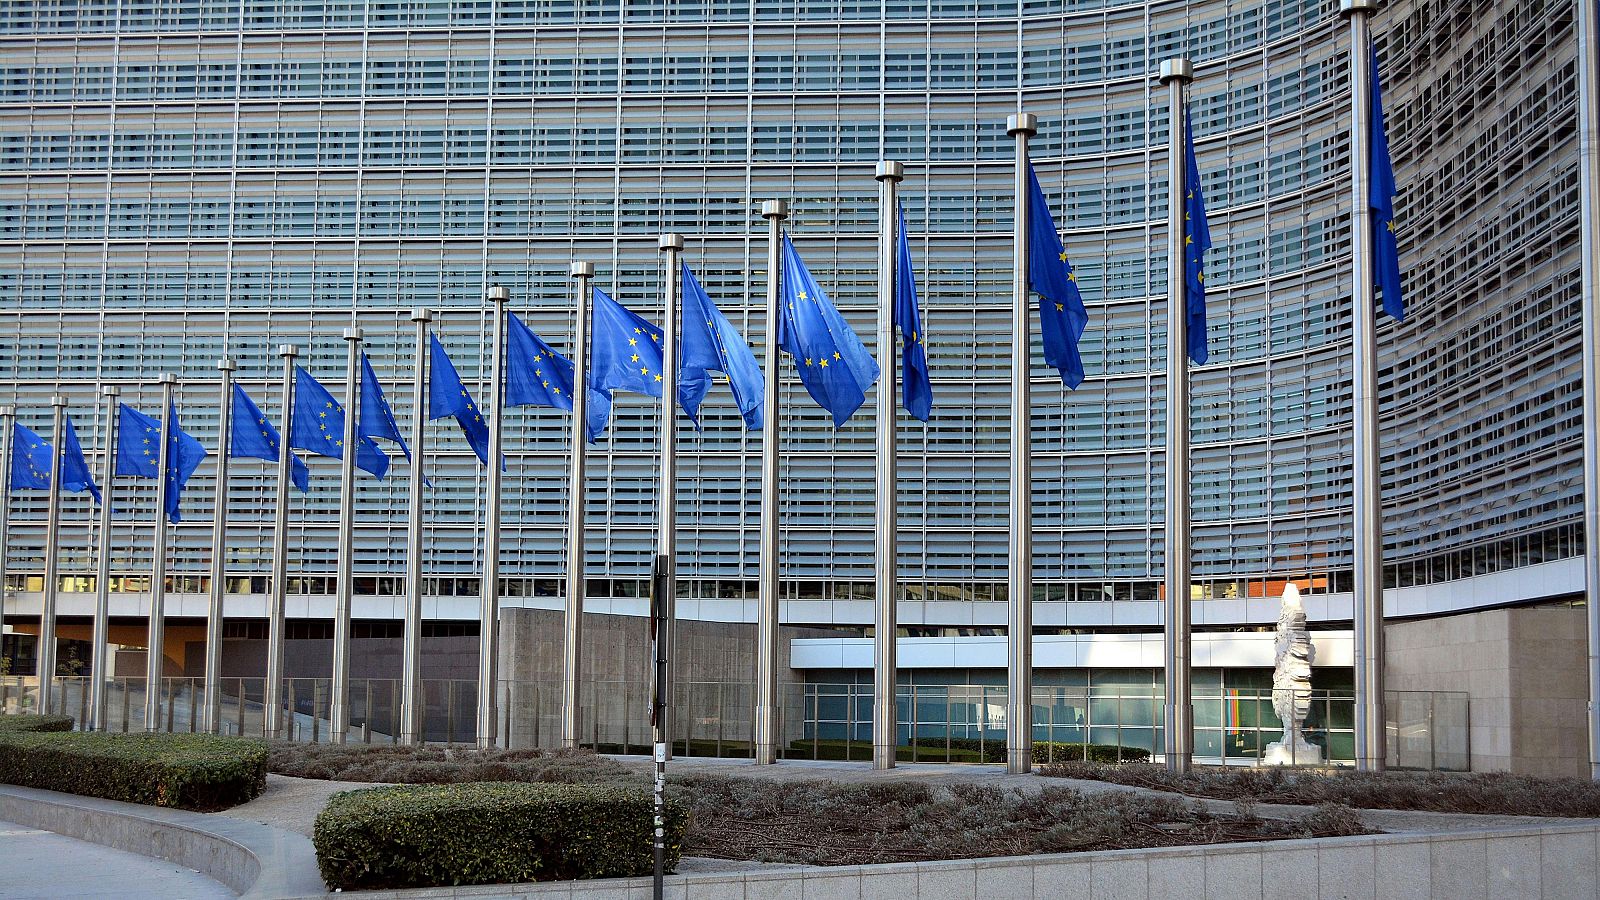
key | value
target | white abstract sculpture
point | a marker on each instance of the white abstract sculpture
(1291, 684)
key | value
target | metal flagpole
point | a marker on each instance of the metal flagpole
(1367, 601)
(663, 583)
(278, 589)
(52, 550)
(489, 591)
(99, 663)
(153, 666)
(774, 211)
(885, 716)
(413, 722)
(572, 643)
(219, 552)
(1019, 623)
(1179, 745)
(1589, 191)
(8, 418)
(339, 712)
(667, 527)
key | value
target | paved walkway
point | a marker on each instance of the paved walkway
(35, 865)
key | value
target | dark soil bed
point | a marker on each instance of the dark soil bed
(819, 822)
(1480, 793)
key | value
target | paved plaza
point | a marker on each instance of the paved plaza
(37, 864)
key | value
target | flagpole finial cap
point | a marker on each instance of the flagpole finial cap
(167, 378)
(110, 390)
(354, 333)
(422, 314)
(499, 294)
(58, 400)
(1179, 68)
(583, 270)
(288, 351)
(227, 364)
(670, 241)
(1022, 123)
(1351, 7)
(890, 170)
(775, 209)
(8, 412)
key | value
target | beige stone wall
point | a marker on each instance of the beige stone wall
(1524, 671)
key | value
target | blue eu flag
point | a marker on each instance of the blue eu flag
(74, 468)
(377, 419)
(1196, 241)
(447, 396)
(536, 375)
(254, 437)
(624, 350)
(139, 449)
(30, 459)
(711, 344)
(1386, 249)
(913, 349)
(1062, 316)
(833, 365)
(318, 425)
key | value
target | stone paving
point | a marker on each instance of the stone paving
(37, 864)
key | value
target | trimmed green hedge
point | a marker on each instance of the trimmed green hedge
(29, 722)
(187, 771)
(489, 833)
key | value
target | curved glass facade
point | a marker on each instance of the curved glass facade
(180, 180)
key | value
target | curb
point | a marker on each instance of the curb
(255, 861)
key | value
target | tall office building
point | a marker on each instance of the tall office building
(185, 179)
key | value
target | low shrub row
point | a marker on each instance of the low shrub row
(1481, 793)
(187, 771)
(30, 722)
(489, 833)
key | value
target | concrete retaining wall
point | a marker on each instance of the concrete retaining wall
(1525, 864)
(255, 861)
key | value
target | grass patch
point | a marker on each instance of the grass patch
(1481, 793)
(187, 771)
(827, 823)
(487, 833)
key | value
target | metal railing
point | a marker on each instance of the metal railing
(937, 723)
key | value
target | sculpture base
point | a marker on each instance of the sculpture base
(1296, 753)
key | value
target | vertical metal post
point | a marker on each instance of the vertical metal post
(278, 582)
(344, 596)
(663, 582)
(1367, 601)
(413, 725)
(1019, 622)
(886, 546)
(153, 667)
(8, 420)
(1588, 19)
(489, 591)
(667, 525)
(766, 751)
(1179, 721)
(572, 643)
(99, 663)
(212, 713)
(52, 552)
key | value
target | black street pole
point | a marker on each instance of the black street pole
(658, 711)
